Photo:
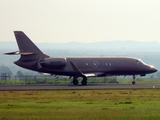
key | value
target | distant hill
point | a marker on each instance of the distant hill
(106, 45)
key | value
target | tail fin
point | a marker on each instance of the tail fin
(26, 47)
(31, 55)
(25, 44)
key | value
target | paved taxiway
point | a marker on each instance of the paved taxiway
(79, 87)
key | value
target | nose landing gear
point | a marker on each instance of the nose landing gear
(134, 82)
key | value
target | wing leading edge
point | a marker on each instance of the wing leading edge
(79, 73)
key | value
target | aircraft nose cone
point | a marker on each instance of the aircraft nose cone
(153, 69)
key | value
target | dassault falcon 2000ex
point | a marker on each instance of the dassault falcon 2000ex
(33, 58)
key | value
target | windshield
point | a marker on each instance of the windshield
(140, 62)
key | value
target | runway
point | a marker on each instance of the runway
(79, 87)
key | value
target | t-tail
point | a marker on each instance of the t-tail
(31, 55)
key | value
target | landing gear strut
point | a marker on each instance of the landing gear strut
(134, 82)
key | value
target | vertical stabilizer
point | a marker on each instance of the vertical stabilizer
(25, 44)
(27, 48)
(31, 55)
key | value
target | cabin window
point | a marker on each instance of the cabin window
(87, 64)
(116, 64)
(110, 64)
(106, 64)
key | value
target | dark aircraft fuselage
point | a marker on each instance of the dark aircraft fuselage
(102, 66)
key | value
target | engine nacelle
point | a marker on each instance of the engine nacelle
(53, 63)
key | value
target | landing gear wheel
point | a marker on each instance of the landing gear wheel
(84, 82)
(75, 82)
(133, 82)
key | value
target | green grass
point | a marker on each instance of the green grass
(80, 105)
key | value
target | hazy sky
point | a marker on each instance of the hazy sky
(81, 20)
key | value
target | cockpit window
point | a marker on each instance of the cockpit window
(139, 62)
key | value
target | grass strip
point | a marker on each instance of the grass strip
(80, 105)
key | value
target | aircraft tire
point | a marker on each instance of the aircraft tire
(133, 83)
(84, 82)
(75, 82)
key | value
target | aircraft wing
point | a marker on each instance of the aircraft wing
(45, 73)
(78, 72)
(90, 75)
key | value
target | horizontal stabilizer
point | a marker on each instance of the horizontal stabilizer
(21, 53)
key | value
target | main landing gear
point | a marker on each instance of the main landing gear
(84, 81)
(75, 81)
(134, 82)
